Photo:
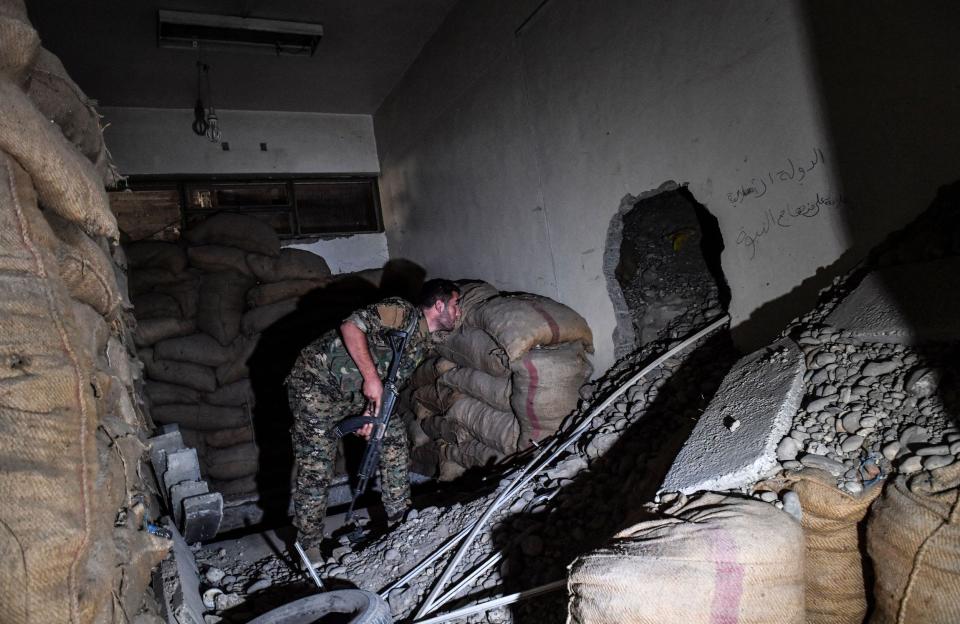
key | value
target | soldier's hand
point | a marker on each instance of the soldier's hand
(365, 431)
(373, 390)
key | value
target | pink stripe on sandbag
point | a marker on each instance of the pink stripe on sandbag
(554, 326)
(728, 578)
(531, 394)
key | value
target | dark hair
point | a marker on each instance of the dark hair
(436, 290)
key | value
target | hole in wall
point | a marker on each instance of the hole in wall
(662, 264)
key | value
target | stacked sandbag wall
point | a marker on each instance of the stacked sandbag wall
(504, 379)
(201, 306)
(72, 455)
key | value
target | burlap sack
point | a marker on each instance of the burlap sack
(221, 304)
(236, 393)
(546, 388)
(714, 559)
(425, 459)
(259, 319)
(152, 330)
(291, 264)
(196, 348)
(496, 429)
(225, 438)
(235, 488)
(185, 288)
(161, 393)
(65, 180)
(96, 331)
(265, 294)
(48, 462)
(415, 433)
(19, 42)
(474, 348)
(238, 368)
(61, 101)
(151, 254)
(201, 417)
(472, 295)
(494, 391)
(429, 371)
(469, 454)
(913, 538)
(85, 268)
(835, 587)
(521, 322)
(144, 280)
(436, 398)
(234, 462)
(151, 305)
(194, 376)
(234, 230)
(215, 258)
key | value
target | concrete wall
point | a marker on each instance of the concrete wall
(508, 146)
(160, 141)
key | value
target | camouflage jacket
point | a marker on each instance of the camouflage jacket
(326, 360)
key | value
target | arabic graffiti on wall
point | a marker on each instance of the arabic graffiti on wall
(785, 218)
(794, 171)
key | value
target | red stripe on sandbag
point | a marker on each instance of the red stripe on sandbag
(531, 394)
(728, 578)
(554, 326)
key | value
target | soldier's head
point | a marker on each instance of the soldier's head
(440, 301)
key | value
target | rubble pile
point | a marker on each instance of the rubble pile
(503, 380)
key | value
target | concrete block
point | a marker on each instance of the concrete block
(177, 581)
(201, 517)
(907, 304)
(160, 446)
(735, 441)
(182, 465)
(181, 491)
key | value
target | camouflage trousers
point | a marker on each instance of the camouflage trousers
(315, 415)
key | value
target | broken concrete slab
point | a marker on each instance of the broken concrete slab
(907, 304)
(183, 490)
(182, 465)
(160, 445)
(201, 517)
(735, 442)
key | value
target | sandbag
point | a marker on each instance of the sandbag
(494, 391)
(713, 559)
(84, 267)
(436, 398)
(291, 264)
(546, 388)
(469, 453)
(259, 319)
(233, 470)
(913, 538)
(19, 42)
(152, 330)
(835, 587)
(236, 393)
(474, 348)
(214, 258)
(65, 180)
(151, 305)
(161, 393)
(472, 294)
(96, 331)
(235, 488)
(194, 376)
(152, 254)
(265, 294)
(245, 451)
(234, 230)
(415, 433)
(196, 348)
(238, 368)
(63, 102)
(145, 280)
(429, 371)
(221, 304)
(224, 438)
(521, 322)
(185, 289)
(201, 417)
(497, 429)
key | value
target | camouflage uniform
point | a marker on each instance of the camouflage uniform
(324, 387)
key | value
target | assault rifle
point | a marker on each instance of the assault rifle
(371, 456)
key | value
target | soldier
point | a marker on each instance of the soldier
(339, 375)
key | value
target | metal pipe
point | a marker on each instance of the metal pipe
(309, 565)
(466, 580)
(496, 602)
(573, 437)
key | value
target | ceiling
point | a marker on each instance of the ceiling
(109, 47)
